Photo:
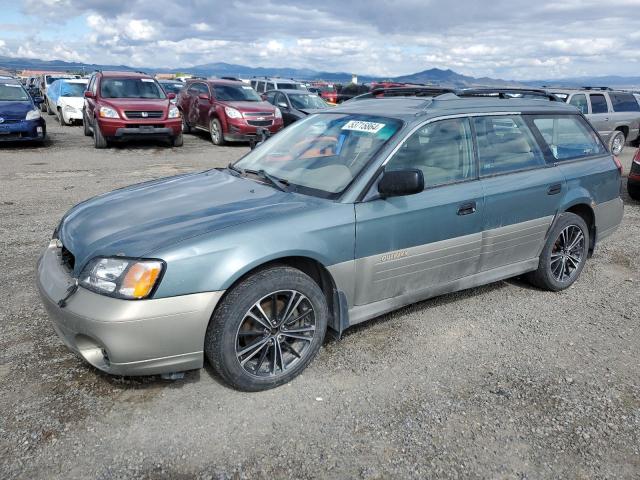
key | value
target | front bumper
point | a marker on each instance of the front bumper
(117, 128)
(23, 130)
(238, 130)
(126, 337)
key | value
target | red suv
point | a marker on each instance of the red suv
(120, 105)
(230, 111)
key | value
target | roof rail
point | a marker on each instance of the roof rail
(507, 93)
(597, 88)
(414, 91)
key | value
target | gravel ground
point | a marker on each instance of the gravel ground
(503, 381)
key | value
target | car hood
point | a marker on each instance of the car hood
(15, 110)
(265, 107)
(75, 102)
(138, 103)
(136, 221)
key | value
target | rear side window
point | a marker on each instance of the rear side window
(505, 144)
(624, 102)
(271, 86)
(598, 104)
(580, 102)
(568, 137)
(260, 87)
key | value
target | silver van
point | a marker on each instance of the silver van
(614, 114)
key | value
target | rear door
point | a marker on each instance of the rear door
(417, 243)
(522, 191)
(599, 116)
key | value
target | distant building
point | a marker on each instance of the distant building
(354, 78)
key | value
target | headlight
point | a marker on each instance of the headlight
(232, 112)
(107, 112)
(122, 277)
(278, 113)
(33, 114)
(174, 112)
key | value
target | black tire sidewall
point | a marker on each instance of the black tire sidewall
(220, 339)
(545, 275)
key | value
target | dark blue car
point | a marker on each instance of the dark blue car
(20, 117)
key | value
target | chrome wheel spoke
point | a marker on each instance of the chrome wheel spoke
(275, 333)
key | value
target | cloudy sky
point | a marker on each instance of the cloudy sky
(513, 39)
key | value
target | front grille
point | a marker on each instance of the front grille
(10, 136)
(635, 168)
(143, 114)
(68, 260)
(258, 114)
(260, 123)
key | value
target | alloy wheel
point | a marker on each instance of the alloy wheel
(567, 253)
(275, 334)
(618, 144)
(215, 132)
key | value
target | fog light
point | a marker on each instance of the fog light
(39, 130)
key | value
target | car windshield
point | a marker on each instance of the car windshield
(12, 92)
(321, 154)
(50, 80)
(131, 88)
(302, 101)
(75, 89)
(243, 93)
(172, 87)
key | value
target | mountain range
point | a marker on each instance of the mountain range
(445, 78)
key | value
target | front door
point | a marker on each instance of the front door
(416, 243)
(522, 192)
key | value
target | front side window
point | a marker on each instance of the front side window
(624, 102)
(568, 137)
(130, 88)
(306, 100)
(232, 93)
(321, 154)
(598, 104)
(579, 101)
(442, 150)
(505, 144)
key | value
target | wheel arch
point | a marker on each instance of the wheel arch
(316, 270)
(624, 129)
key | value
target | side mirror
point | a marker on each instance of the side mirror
(88, 94)
(282, 105)
(203, 96)
(396, 183)
(38, 100)
(171, 96)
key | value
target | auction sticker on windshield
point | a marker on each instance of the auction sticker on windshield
(362, 126)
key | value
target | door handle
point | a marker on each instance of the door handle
(554, 189)
(467, 208)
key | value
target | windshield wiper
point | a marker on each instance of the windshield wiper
(279, 183)
(233, 168)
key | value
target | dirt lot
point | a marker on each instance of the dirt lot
(503, 381)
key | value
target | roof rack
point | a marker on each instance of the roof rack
(507, 93)
(414, 91)
(597, 88)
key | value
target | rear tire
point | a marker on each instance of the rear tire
(98, 139)
(267, 329)
(564, 255)
(215, 132)
(634, 191)
(616, 142)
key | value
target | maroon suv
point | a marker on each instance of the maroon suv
(230, 111)
(120, 105)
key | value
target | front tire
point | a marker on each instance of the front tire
(616, 143)
(98, 139)
(215, 131)
(49, 111)
(564, 255)
(267, 329)
(85, 125)
(177, 141)
(61, 119)
(634, 191)
(186, 128)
